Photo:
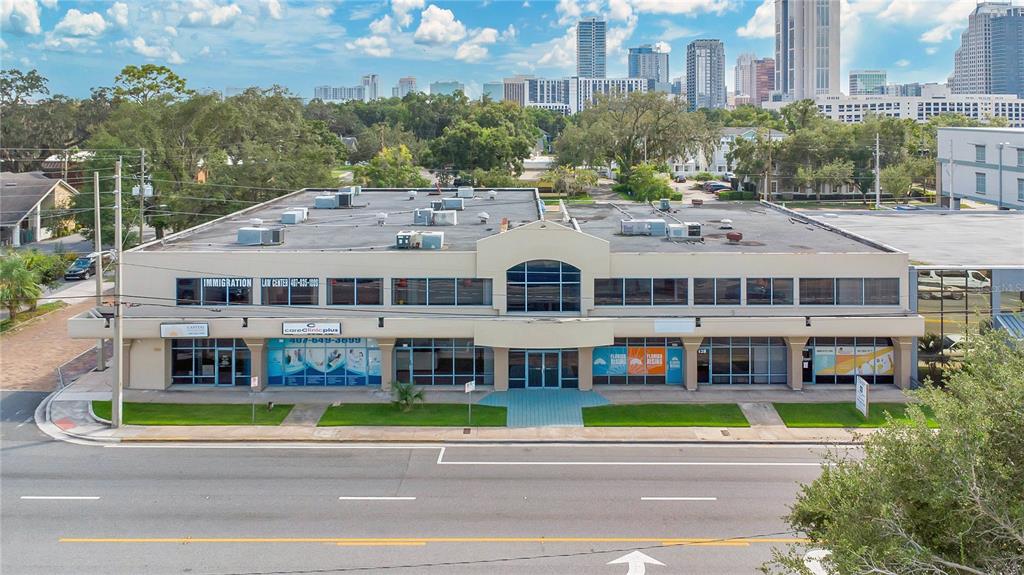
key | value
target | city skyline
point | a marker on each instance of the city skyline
(220, 44)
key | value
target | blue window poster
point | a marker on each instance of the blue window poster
(323, 361)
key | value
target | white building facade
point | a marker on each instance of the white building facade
(982, 165)
(853, 109)
(718, 164)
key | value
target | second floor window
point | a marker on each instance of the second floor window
(214, 291)
(641, 291)
(290, 291)
(440, 291)
(355, 291)
(716, 291)
(769, 291)
(543, 286)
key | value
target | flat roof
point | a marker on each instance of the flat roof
(765, 229)
(940, 237)
(356, 228)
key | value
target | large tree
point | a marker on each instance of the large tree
(391, 168)
(928, 501)
(149, 81)
(19, 285)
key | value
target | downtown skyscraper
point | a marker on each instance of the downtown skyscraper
(806, 48)
(648, 62)
(591, 48)
(973, 63)
(705, 74)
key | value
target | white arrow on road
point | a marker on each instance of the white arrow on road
(637, 562)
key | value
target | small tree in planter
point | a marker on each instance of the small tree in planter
(405, 396)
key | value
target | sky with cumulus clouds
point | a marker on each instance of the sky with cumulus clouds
(230, 44)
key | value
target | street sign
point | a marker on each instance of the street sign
(862, 396)
(637, 562)
(470, 386)
(254, 382)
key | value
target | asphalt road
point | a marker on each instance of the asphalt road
(464, 509)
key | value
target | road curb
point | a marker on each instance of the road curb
(166, 440)
(47, 427)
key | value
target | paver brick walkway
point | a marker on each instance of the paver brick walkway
(544, 407)
(29, 355)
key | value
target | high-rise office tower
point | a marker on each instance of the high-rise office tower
(764, 80)
(806, 48)
(744, 81)
(591, 48)
(1008, 53)
(648, 62)
(865, 82)
(972, 64)
(406, 85)
(371, 87)
(705, 74)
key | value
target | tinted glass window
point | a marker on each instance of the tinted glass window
(670, 291)
(441, 291)
(850, 291)
(473, 291)
(759, 291)
(704, 291)
(341, 291)
(543, 286)
(727, 291)
(638, 291)
(881, 291)
(608, 291)
(817, 291)
(188, 291)
(409, 291)
(782, 291)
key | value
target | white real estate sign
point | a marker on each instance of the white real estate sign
(310, 328)
(862, 396)
(186, 330)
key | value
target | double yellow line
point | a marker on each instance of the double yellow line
(422, 541)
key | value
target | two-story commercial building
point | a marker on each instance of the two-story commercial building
(493, 286)
(981, 164)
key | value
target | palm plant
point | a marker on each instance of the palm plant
(19, 286)
(405, 395)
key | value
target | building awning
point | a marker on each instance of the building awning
(1013, 323)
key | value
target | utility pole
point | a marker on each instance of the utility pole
(142, 193)
(101, 356)
(116, 405)
(878, 174)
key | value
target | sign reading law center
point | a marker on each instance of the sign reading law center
(310, 328)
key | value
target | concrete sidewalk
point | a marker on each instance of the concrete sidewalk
(67, 415)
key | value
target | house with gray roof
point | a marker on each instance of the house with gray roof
(29, 203)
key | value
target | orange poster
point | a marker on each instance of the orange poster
(637, 362)
(647, 361)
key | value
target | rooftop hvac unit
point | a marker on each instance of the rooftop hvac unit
(260, 236)
(446, 218)
(726, 224)
(345, 199)
(423, 217)
(464, 192)
(684, 231)
(437, 205)
(381, 218)
(665, 205)
(325, 202)
(356, 190)
(431, 240)
(255, 222)
(492, 195)
(457, 204)
(292, 217)
(643, 227)
(407, 240)
(412, 194)
(484, 216)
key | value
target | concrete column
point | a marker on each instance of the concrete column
(258, 359)
(126, 354)
(500, 368)
(795, 362)
(387, 362)
(691, 345)
(586, 355)
(903, 369)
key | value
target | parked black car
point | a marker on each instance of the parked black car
(85, 266)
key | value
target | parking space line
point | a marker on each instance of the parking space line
(61, 497)
(375, 498)
(678, 499)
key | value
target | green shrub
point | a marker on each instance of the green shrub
(405, 395)
(48, 267)
(703, 176)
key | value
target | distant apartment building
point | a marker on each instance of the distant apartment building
(865, 82)
(853, 109)
(571, 95)
(648, 62)
(591, 48)
(494, 91)
(972, 63)
(806, 48)
(338, 93)
(371, 87)
(705, 74)
(406, 85)
(755, 79)
(515, 89)
(1008, 53)
(743, 83)
(447, 88)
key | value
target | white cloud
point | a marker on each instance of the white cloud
(381, 25)
(51, 4)
(402, 8)
(118, 13)
(76, 23)
(151, 51)
(439, 26)
(509, 33)
(682, 6)
(170, 30)
(65, 43)
(556, 53)
(205, 51)
(664, 47)
(931, 50)
(20, 16)
(209, 13)
(619, 10)
(568, 11)
(672, 32)
(474, 49)
(323, 11)
(902, 63)
(761, 24)
(376, 46)
(526, 3)
(274, 9)
(943, 18)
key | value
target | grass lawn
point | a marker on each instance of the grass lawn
(28, 315)
(665, 415)
(839, 414)
(194, 414)
(424, 414)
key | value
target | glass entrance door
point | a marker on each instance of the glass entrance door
(225, 367)
(543, 368)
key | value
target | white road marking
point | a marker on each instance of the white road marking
(678, 499)
(367, 498)
(441, 461)
(61, 497)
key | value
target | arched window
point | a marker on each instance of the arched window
(543, 285)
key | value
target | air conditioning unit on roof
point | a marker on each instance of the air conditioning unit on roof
(446, 218)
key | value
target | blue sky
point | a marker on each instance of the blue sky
(221, 44)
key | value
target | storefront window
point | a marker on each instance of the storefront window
(214, 291)
(323, 361)
(639, 361)
(842, 359)
(218, 362)
(290, 291)
(443, 362)
(953, 302)
(742, 360)
(441, 291)
(355, 291)
(543, 286)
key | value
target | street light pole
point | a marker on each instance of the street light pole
(116, 405)
(1001, 146)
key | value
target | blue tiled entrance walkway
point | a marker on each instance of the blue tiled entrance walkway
(544, 407)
